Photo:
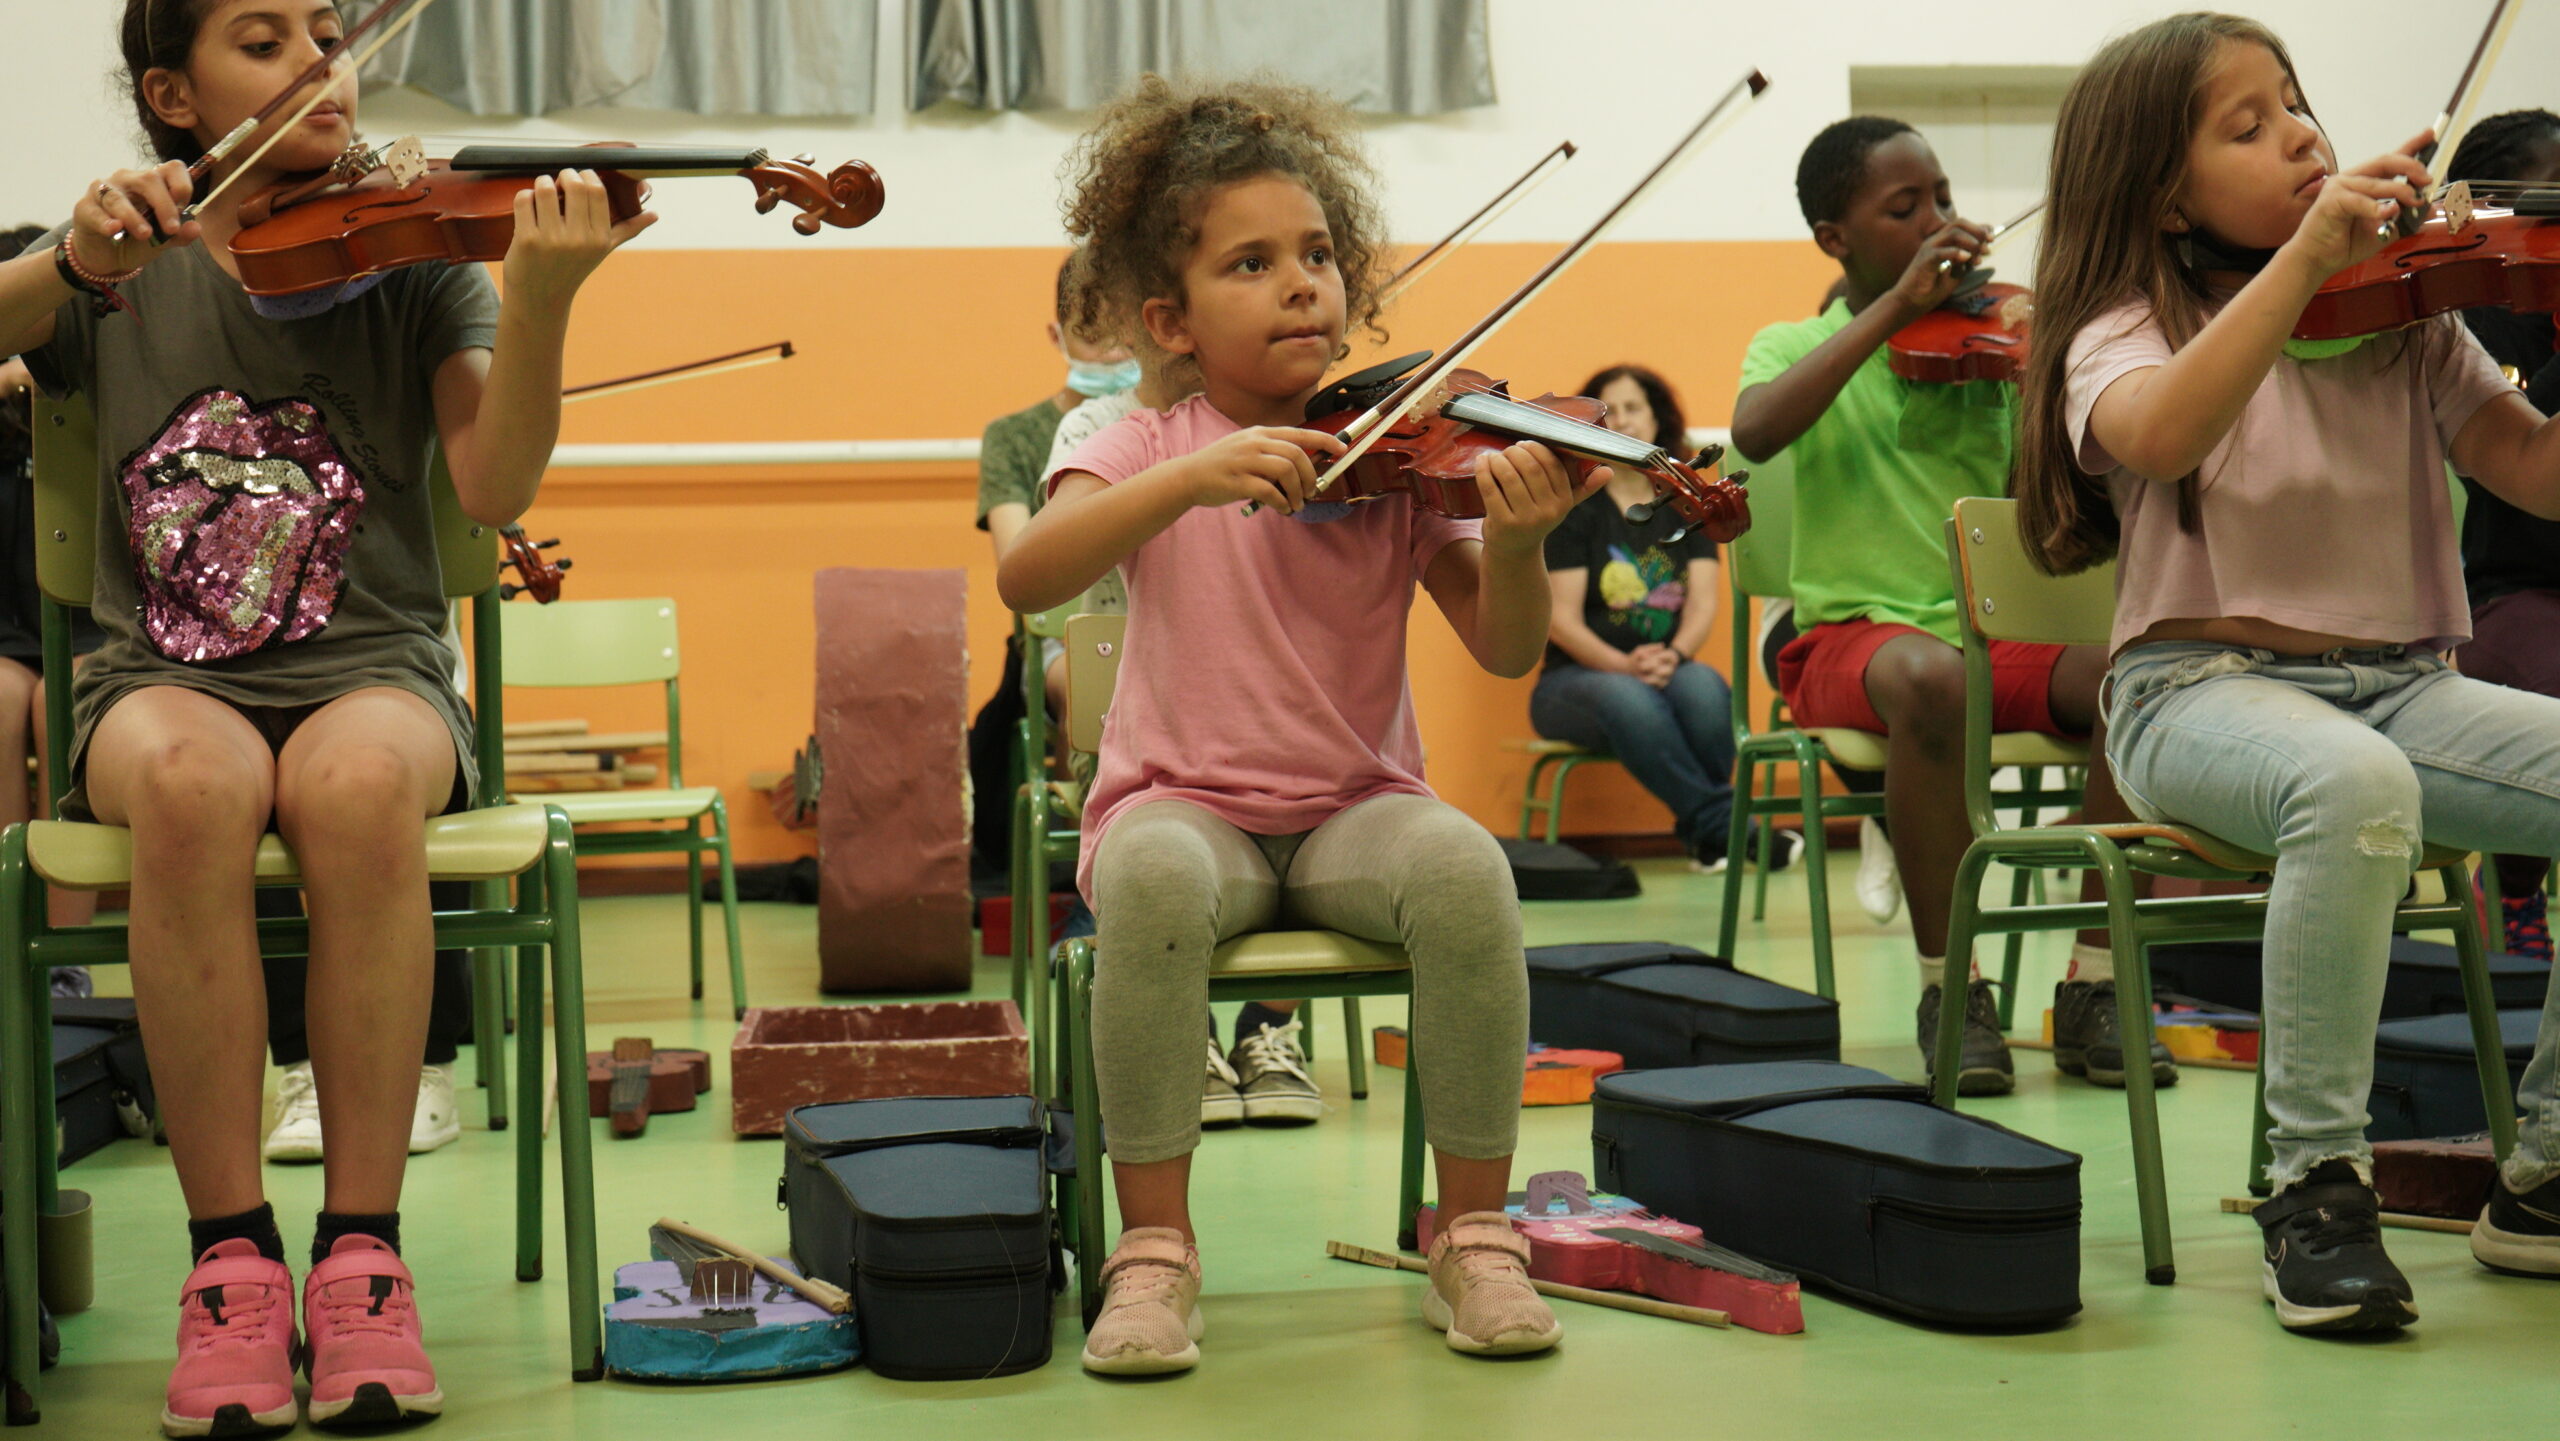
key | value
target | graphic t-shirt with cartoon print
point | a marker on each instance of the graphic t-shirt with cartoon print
(1639, 576)
(265, 531)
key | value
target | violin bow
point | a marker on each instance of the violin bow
(774, 354)
(2456, 114)
(1373, 423)
(1998, 233)
(1474, 225)
(409, 10)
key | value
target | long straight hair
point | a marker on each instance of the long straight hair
(2119, 164)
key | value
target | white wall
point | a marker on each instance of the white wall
(1621, 77)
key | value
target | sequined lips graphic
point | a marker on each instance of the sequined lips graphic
(240, 516)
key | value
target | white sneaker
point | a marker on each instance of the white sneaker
(439, 1120)
(296, 1136)
(1879, 879)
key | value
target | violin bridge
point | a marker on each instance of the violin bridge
(406, 159)
(2458, 207)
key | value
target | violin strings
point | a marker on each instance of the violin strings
(407, 18)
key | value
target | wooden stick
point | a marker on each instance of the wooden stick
(517, 730)
(1614, 1300)
(831, 1297)
(581, 741)
(2243, 1205)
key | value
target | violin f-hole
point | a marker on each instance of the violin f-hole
(2462, 248)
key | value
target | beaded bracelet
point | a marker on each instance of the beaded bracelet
(101, 288)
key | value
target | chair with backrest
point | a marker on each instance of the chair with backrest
(1045, 814)
(618, 643)
(1260, 966)
(1758, 563)
(2006, 598)
(1550, 762)
(487, 845)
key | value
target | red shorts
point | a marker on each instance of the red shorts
(1823, 675)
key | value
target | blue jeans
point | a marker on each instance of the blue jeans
(2337, 765)
(1677, 741)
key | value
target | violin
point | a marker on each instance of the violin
(381, 210)
(2470, 252)
(537, 575)
(1430, 453)
(1979, 334)
(1417, 426)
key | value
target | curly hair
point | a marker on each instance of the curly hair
(1137, 181)
(1835, 164)
(2496, 147)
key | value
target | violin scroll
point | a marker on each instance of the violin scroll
(845, 197)
(537, 575)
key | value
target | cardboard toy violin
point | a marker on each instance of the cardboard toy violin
(1418, 426)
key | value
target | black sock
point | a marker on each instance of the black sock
(384, 1228)
(1255, 1016)
(258, 1226)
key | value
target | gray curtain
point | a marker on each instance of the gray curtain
(711, 57)
(1398, 57)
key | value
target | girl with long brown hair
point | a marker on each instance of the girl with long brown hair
(2287, 584)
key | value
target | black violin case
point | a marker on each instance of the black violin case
(2426, 1075)
(934, 1212)
(1853, 1181)
(1660, 1004)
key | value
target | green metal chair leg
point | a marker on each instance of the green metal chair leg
(1020, 849)
(2497, 1090)
(1090, 1252)
(489, 1031)
(1555, 796)
(1817, 873)
(1529, 796)
(729, 909)
(23, 1132)
(1409, 1181)
(2133, 1023)
(1353, 1048)
(577, 1133)
(1730, 923)
(1947, 1065)
(693, 904)
(529, 987)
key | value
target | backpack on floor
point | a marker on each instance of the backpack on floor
(1543, 871)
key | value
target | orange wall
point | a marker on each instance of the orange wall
(921, 344)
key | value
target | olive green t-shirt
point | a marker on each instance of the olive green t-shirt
(1876, 478)
(1010, 457)
(265, 532)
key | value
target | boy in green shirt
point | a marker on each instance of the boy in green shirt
(1880, 462)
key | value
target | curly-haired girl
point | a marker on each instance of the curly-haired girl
(1260, 765)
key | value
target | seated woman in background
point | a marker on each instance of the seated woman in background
(1632, 607)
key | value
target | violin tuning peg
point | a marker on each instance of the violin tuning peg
(1707, 457)
(1677, 536)
(509, 592)
(1640, 512)
(767, 199)
(806, 223)
(1739, 477)
(804, 158)
(564, 565)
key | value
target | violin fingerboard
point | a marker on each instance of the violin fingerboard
(650, 159)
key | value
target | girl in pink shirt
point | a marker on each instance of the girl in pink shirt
(2287, 584)
(1260, 766)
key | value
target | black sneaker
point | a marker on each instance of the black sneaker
(2087, 1040)
(1707, 857)
(1984, 1068)
(2520, 1232)
(2325, 1267)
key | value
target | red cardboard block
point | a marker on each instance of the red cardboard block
(787, 1056)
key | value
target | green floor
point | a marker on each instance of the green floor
(1297, 1341)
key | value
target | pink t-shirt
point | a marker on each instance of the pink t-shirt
(1264, 679)
(2326, 508)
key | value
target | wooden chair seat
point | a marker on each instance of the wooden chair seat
(596, 807)
(1305, 953)
(1864, 750)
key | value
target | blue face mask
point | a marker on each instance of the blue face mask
(1093, 380)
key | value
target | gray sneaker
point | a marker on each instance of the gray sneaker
(2087, 1040)
(1271, 1075)
(1219, 1103)
(1985, 1069)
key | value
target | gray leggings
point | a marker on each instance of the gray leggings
(1171, 881)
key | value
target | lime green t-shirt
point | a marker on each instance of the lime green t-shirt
(1876, 478)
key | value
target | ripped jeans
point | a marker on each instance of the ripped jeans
(2336, 765)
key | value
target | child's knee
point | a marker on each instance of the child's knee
(2365, 799)
(355, 791)
(185, 788)
(1918, 685)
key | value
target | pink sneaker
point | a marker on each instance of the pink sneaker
(367, 1358)
(1480, 1297)
(234, 1375)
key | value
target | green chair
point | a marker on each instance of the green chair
(2006, 598)
(486, 845)
(1262, 966)
(1757, 563)
(1551, 761)
(1039, 839)
(632, 642)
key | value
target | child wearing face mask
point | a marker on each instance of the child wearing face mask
(1012, 459)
